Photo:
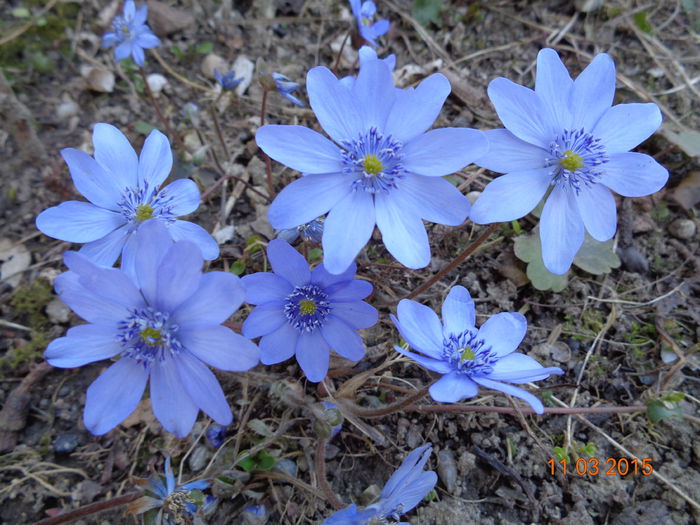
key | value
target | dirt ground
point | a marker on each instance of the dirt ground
(624, 338)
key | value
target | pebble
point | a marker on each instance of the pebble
(66, 443)
(682, 229)
(211, 62)
(199, 458)
(67, 109)
(472, 196)
(286, 466)
(57, 311)
(156, 82)
(447, 469)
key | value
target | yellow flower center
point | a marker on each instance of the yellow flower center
(307, 307)
(571, 161)
(467, 354)
(372, 164)
(143, 212)
(151, 336)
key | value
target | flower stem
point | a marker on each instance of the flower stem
(229, 176)
(525, 410)
(88, 510)
(456, 262)
(155, 105)
(320, 463)
(268, 162)
(340, 54)
(390, 409)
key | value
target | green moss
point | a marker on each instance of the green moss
(22, 355)
(30, 302)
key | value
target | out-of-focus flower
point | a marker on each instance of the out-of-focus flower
(284, 87)
(215, 435)
(124, 193)
(164, 503)
(565, 141)
(382, 167)
(227, 81)
(468, 356)
(404, 490)
(131, 35)
(309, 232)
(254, 515)
(305, 313)
(364, 15)
(164, 323)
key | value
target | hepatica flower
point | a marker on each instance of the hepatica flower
(123, 192)
(367, 54)
(164, 324)
(404, 490)
(309, 232)
(383, 167)
(467, 356)
(130, 33)
(565, 137)
(364, 15)
(306, 313)
(227, 81)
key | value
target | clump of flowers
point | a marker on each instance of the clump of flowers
(306, 313)
(130, 33)
(404, 490)
(164, 323)
(124, 192)
(564, 142)
(366, 27)
(310, 232)
(466, 356)
(382, 167)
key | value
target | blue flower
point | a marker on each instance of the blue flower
(131, 34)
(123, 191)
(174, 504)
(286, 87)
(306, 312)
(163, 322)
(309, 232)
(468, 356)
(382, 168)
(404, 490)
(254, 515)
(227, 81)
(367, 54)
(364, 14)
(215, 435)
(565, 138)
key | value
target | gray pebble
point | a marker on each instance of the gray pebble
(199, 458)
(447, 469)
(66, 443)
(682, 229)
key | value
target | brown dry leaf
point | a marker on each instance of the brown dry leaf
(687, 194)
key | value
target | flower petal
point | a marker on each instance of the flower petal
(313, 354)
(143, 254)
(458, 314)
(97, 184)
(264, 287)
(137, 54)
(633, 174)
(324, 279)
(453, 387)
(218, 295)
(334, 106)
(219, 347)
(114, 395)
(349, 291)
(83, 344)
(89, 306)
(553, 86)
(443, 151)
(203, 388)
(178, 276)
(288, 263)
(514, 391)
(357, 314)
(503, 332)
(597, 208)
(156, 159)
(115, 154)
(511, 196)
(189, 231)
(123, 50)
(76, 221)
(306, 199)
(593, 92)
(625, 126)
(171, 403)
(433, 199)
(561, 230)
(508, 153)
(343, 339)
(420, 327)
(436, 365)
(279, 345)
(147, 40)
(347, 229)
(106, 251)
(520, 368)
(415, 110)
(264, 319)
(182, 196)
(403, 232)
(375, 93)
(300, 148)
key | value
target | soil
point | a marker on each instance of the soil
(624, 338)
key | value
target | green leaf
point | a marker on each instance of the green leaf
(528, 248)
(238, 267)
(315, 253)
(589, 450)
(259, 427)
(658, 410)
(426, 11)
(641, 20)
(673, 397)
(247, 464)
(204, 48)
(21, 12)
(143, 127)
(265, 461)
(175, 50)
(560, 454)
(596, 257)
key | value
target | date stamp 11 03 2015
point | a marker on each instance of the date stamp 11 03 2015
(607, 467)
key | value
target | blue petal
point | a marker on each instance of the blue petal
(265, 287)
(172, 405)
(633, 174)
(508, 153)
(203, 388)
(306, 199)
(288, 263)
(443, 151)
(514, 391)
(343, 339)
(503, 332)
(76, 221)
(458, 314)
(140, 15)
(129, 10)
(114, 395)
(520, 368)
(219, 346)
(348, 291)
(561, 230)
(123, 50)
(108, 40)
(625, 126)
(420, 327)
(106, 251)
(115, 154)
(347, 229)
(453, 387)
(335, 108)
(137, 54)
(412, 464)
(403, 232)
(143, 254)
(178, 276)
(431, 198)
(97, 184)
(415, 110)
(597, 208)
(374, 89)
(313, 354)
(521, 111)
(264, 319)
(593, 92)
(325, 279)
(553, 86)
(188, 231)
(300, 148)
(436, 365)
(155, 161)
(82, 345)
(511, 196)
(89, 306)
(219, 295)
(357, 314)
(381, 27)
(278, 346)
(147, 40)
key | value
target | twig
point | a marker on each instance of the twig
(320, 463)
(88, 510)
(268, 162)
(524, 410)
(155, 105)
(379, 412)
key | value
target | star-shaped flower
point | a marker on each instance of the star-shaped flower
(131, 35)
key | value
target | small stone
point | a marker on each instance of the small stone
(199, 458)
(633, 260)
(286, 466)
(98, 79)
(67, 109)
(165, 19)
(66, 443)
(447, 469)
(244, 68)
(213, 62)
(682, 229)
(472, 196)
(225, 234)
(57, 311)
(156, 82)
